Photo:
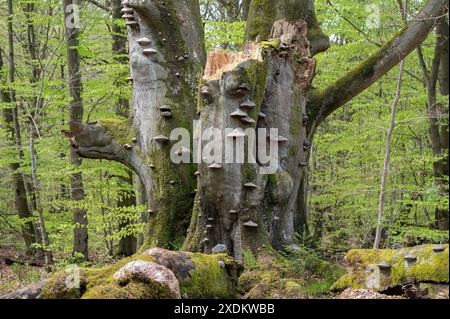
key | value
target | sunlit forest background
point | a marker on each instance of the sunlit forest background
(347, 154)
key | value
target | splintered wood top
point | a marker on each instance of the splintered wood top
(220, 61)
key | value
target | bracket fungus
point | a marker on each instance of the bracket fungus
(384, 265)
(161, 139)
(128, 16)
(127, 10)
(251, 224)
(239, 113)
(439, 249)
(410, 258)
(144, 41)
(247, 105)
(132, 23)
(149, 52)
(248, 120)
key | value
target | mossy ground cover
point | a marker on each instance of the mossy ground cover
(209, 279)
(429, 267)
(297, 273)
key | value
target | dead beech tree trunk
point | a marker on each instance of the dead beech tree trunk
(266, 86)
(167, 57)
(237, 206)
(80, 222)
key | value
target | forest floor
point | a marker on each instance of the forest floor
(19, 274)
(278, 277)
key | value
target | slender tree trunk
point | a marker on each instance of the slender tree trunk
(106, 225)
(438, 133)
(127, 244)
(11, 118)
(80, 221)
(35, 183)
(141, 200)
(387, 158)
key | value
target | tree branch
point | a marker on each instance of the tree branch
(324, 102)
(100, 5)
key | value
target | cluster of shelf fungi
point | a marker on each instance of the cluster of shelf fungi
(409, 259)
(240, 114)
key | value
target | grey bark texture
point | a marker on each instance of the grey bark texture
(387, 159)
(11, 118)
(80, 222)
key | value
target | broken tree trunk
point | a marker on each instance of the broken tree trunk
(246, 204)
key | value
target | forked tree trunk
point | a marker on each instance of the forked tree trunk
(267, 86)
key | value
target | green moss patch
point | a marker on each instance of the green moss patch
(429, 267)
(208, 279)
(120, 130)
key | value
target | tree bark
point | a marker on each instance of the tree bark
(80, 222)
(236, 205)
(387, 158)
(127, 244)
(11, 118)
(35, 183)
(263, 14)
(167, 57)
(438, 133)
(270, 83)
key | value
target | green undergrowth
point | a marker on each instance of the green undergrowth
(295, 273)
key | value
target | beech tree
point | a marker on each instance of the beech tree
(268, 85)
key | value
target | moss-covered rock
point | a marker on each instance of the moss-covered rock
(200, 275)
(381, 269)
(142, 277)
(149, 273)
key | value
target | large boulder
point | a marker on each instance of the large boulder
(147, 272)
(388, 270)
(177, 261)
(200, 275)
